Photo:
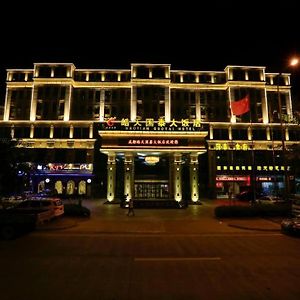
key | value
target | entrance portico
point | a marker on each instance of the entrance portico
(153, 165)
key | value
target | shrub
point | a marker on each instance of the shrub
(76, 210)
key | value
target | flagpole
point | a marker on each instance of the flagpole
(238, 108)
(275, 188)
(253, 173)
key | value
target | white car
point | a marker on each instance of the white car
(54, 205)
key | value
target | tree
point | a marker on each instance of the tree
(293, 158)
(14, 171)
(8, 166)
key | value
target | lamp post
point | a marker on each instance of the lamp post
(282, 129)
(293, 62)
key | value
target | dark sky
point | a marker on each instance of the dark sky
(188, 35)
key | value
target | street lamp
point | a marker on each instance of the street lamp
(293, 62)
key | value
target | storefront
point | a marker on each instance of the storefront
(66, 180)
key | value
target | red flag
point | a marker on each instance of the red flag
(241, 106)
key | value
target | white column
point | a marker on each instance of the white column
(67, 107)
(31, 131)
(230, 133)
(289, 104)
(211, 132)
(71, 132)
(167, 104)
(102, 100)
(194, 177)
(268, 134)
(91, 131)
(177, 177)
(7, 105)
(198, 106)
(128, 174)
(287, 136)
(33, 103)
(264, 107)
(111, 176)
(51, 134)
(133, 104)
(233, 117)
(249, 133)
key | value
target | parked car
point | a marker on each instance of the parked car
(269, 199)
(13, 222)
(53, 205)
(291, 225)
(247, 195)
(296, 206)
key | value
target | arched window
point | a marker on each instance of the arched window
(82, 187)
(59, 187)
(70, 187)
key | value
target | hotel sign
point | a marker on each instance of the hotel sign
(250, 168)
(154, 142)
(150, 124)
(231, 146)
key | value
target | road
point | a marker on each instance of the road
(86, 265)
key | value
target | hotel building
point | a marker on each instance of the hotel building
(150, 131)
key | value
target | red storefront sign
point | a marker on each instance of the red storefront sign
(232, 178)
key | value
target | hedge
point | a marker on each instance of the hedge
(76, 210)
(257, 210)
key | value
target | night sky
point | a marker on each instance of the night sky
(188, 35)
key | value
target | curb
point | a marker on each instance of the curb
(253, 228)
(52, 228)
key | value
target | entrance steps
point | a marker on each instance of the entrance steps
(146, 203)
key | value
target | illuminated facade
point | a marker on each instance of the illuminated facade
(149, 131)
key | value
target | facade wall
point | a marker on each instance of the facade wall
(57, 107)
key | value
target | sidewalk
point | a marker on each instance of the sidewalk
(196, 219)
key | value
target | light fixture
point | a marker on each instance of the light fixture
(151, 160)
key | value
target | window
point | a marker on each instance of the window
(255, 97)
(254, 75)
(60, 72)
(61, 132)
(112, 77)
(239, 134)
(181, 104)
(142, 72)
(81, 133)
(220, 133)
(158, 72)
(20, 104)
(117, 103)
(44, 71)
(214, 106)
(80, 76)
(18, 76)
(22, 132)
(238, 74)
(84, 104)
(50, 102)
(204, 78)
(189, 78)
(259, 134)
(42, 132)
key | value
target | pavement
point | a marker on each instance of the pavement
(196, 219)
